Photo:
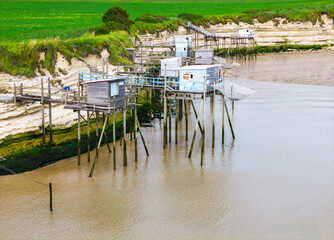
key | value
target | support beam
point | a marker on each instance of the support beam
(135, 130)
(43, 117)
(88, 136)
(195, 130)
(223, 121)
(165, 112)
(176, 117)
(114, 132)
(50, 110)
(186, 116)
(79, 138)
(170, 120)
(97, 147)
(229, 120)
(213, 117)
(97, 133)
(199, 122)
(203, 135)
(125, 159)
(142, 137)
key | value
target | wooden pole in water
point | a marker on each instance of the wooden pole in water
(135, 130)
(142, 138)
(194, 135)
(176, 117)
(213, 117)
(104, 133)
(199, 122)
(42, 102)
(186, 115)
(229, 121)
(223, 121)
(88, 136)
(125, 160)
(50, 110)
(170, 120)
(79, 138)
(165, 111)
(97, 147)
(114, 132)
(97, 133)
(203, 140)
(50, 190)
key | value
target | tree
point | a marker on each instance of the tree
(117, 16)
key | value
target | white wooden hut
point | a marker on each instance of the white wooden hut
(101, 92)
(183, 45)
(191, 78)
(170, 66)
(204, 56)
(245, 33)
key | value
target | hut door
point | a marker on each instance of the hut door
(114, 89)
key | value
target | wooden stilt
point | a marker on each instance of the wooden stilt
(213, 118)
(50, 190)
(79, 138)
(223, 121)
(229, 121)
(97, 133)
(135, 130)
(176, 117)
(203, 139)
(125, 160)
(165, 112)
(142, 137)
(199, 122)
(50, 110)
(88, 136)
(114, 132)
(97, 147)
(105, 135)
(186, 115)
(43, 117)
(170, 120)
(194, 135)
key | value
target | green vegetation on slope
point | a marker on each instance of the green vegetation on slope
(23, 19)
(23, 58)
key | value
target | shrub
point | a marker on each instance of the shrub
(118, 16)
(195, 19)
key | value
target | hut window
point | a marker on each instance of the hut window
(191, 76)
(114, 89)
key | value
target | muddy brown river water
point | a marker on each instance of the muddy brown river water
(275, 182)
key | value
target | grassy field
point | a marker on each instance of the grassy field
(23, 20)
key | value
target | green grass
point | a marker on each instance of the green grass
(23, 20)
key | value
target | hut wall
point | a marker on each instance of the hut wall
(204, 56)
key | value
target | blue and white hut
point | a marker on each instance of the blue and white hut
(183, 45)
(191, 78)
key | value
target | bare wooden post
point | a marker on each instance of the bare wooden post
(50, 190)
(229, 121)
(79, 138)
(213, 117)
(203, 140)
(97, 147)
(50, 110)
(88, 136)
(199, 122)
(142, 137)
(165, 111)
(176, 117)
(170, 120)
(15, 93)
(186, 115)
(223, 121)
(114, 132)
(97, 133)
(194, 135)
(21, 89)
(125, 161)
(135, 130)
(232, 107)
(42, 102)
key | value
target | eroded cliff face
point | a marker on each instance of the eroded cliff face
(16, 119)
(278, 31)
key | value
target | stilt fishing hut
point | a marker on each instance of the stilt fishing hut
(191, 77)
(183, 46)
